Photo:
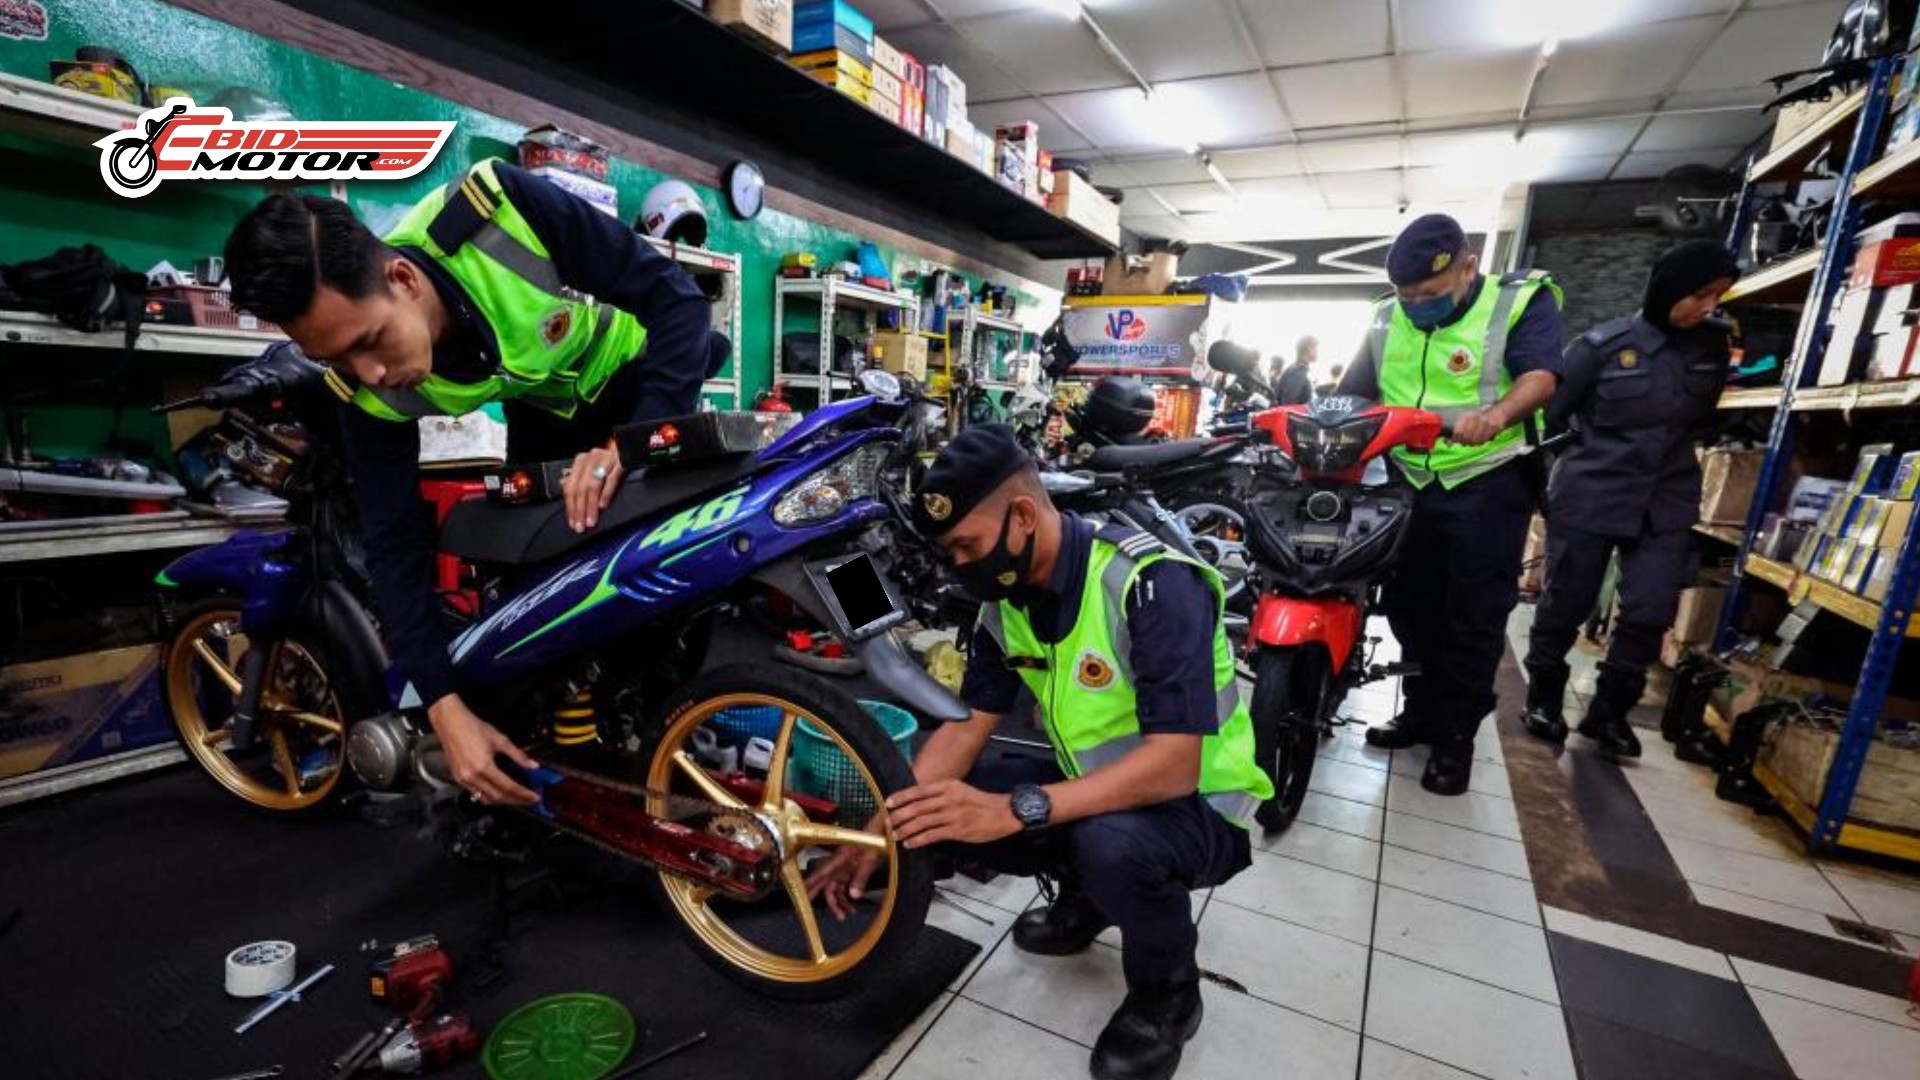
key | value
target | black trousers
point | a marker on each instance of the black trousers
(1448, 600)
(1138, 866)
(1654, 567)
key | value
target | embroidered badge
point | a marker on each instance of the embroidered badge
(1629, 358)
(1460, 362)
(1093, 672)
(1442, 261)
(938, 506)
(554, 330)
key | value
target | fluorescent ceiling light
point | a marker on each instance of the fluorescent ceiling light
(1066, 9)
(1554, 22)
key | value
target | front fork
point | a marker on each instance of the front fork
(253, 681)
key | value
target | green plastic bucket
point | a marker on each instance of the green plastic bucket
(821, 769)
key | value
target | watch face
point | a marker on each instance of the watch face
(1031, 805)
(746, 189)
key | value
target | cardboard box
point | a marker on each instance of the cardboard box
(1698, 616)
(766, 23)
(846, 84)
(960, 138)
(77, 708)
(1859, 568)
(828, 37)
(1888, 792)
(913, 72)
(955, 88)
(1141, 275)
(1795, 118)
(551, 147)
(881, 107)
(1878, 579)
(887, 85)
(1011, 165)
(1873, 472)
(1852, 341)
(846, 63)
(983, 153)
(832, 12)
(1078, 201)
(902, 354)
(1813, 550)
(1893, 530)
(1833, 567)
(604, 197)
(887, 58)
(1886, 262)
(1906, 476)
(1726, 484)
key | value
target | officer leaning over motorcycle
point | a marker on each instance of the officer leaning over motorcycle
(498, 287)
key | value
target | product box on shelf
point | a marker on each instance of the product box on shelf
(1141, 275)
(1812, 495)
(960, 139)
(826, 38)
(832, 13)
(550, 147)
(1833, 567)
(1879, 578)
(846, 84)
(1011, 166)
(1795, 118)
(1727, 479)
(1906, 476)
(1894, 261)
(1080, 202)
(913, 72)
(1893, 530)
(886, 84)
(1812, 550)
(956, 91)
(766, 23)
(603, 196)
(819, 63)
(1852, 342)
(884, 108)
(887, 58)
(1873, 472)
(1859, 568)
(983, 152)
(935, 128)
(78, 708)
(902, 354)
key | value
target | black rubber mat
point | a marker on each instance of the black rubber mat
(129, 899)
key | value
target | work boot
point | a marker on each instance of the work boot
(1401, 732)
(1450, 768)
(1615, 694)
(1067, 925)
(1546, 700)
(1144, 1039)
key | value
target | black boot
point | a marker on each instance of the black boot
(1407, 729)
(1450, 769)
(1615, 694)
(1144, 1039)
(1067, 925)
(1546, 698)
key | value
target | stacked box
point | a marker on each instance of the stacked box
(847, 84)
(886, 86)
(818, 64)
(1906, 476)
(1078, 201)
(955, 89)
(913, 95)
(766, 23)
(814, 13)
(828, 37)
(1017, 154)
(934, 127)
(887, 58)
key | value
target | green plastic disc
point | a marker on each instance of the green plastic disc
(563, 1037)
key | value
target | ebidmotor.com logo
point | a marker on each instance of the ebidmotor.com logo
(179, 141)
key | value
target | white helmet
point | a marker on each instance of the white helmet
(672, 211)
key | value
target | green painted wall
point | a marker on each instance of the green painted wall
(52, 195)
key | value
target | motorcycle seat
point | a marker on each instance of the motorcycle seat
(1150, 456)
(508, 535)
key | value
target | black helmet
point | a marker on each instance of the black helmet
(1116, 408)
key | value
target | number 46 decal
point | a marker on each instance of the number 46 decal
(696, 519)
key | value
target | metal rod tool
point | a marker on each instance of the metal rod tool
(281, 997)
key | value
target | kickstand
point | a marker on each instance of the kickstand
(498, 927)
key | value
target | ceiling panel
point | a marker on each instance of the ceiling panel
(1247, 164)
(1160, 224)
(1430, 25)
(1348, 190)
(896, 14)
(1111, 118)
(1692, 130)
(1459, 84)
(1474, 25)
(1581, 138)
(1289, 193)
(1763, 43)
(1750, 97)
(1624, 63)
(1206, 198)
(1333, 95)
(937, 43)
(955, 10)
(1181, 40)
(1046, 53)
(1565, 170)
(1657, 163)
(1447, 184)
(1227, 110)
(1291, 32)
(1452, 149)
(1171, 170)
(1352, 155)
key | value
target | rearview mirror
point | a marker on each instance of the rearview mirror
(1232, 359)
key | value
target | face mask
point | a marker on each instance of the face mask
(993, 577)
(1431, 312)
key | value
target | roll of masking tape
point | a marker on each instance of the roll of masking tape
(259, 969)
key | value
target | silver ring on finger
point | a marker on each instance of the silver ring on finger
(599, 472)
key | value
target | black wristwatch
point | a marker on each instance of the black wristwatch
(1032, 805)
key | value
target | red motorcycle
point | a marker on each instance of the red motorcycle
(1325, 521)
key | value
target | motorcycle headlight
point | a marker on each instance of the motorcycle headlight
(1324, 449)
(822, 495)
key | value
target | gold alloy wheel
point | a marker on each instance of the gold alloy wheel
(299, 714)
(674, 768)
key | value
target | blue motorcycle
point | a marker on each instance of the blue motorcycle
(592, 651)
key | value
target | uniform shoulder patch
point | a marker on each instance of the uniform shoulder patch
(1607, 332)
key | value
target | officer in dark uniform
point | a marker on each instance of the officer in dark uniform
(1638, 390)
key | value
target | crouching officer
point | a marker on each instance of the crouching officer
(1638, 390)
(1153, 783)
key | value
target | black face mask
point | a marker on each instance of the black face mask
(993, 577)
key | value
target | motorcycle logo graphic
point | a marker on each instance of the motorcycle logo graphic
(180, 141)
(1126, 325)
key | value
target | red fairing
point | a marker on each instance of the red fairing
(1274, 423)
(1290, 620)
(1415, 429)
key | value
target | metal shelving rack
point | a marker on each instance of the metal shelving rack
(702, 263)
(976, 329)
(833, 295)
(1858, 120)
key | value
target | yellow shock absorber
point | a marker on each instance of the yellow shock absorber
(574, 722)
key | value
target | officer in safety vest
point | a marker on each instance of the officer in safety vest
(498, 287)
(1639, 391)
(1152, 783)
(1485, 355)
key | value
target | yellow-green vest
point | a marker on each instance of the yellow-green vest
(1084, 683)
(1452, 371)
(557, 347)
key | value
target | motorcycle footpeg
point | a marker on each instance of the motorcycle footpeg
(1391, 671)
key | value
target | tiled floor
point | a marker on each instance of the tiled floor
(1394, 935)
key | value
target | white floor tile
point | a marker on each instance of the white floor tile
(1504, 953)
(1314, 973)
(954, 914)
(1005, 891)
(1723, 824)
(1882, 1007)
(1356, 782)
(1354, 752)
(1468, 886)
(1879, 901)
(1483, 850)
(1468, 1025)
(882, 1067)
(1639, 942)
(1344, 815)
(1828, 1044)
(1469, 810)
(1304, 894)
(1381, 1061)
(970, 1041)
(1239, 1037)
(1071, 996)
(1812, 922)
(1321, 846)
(1784, 882)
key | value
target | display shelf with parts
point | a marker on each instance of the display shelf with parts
(724, 270)
(1858, 123)
(833, 296)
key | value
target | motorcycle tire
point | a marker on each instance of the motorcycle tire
(737, 938)
(1289, 693)
(245, 776)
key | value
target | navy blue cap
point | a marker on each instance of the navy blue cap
(1425, 248)
(970, 467)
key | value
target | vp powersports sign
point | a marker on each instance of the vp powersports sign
(183, 141)
(1146, 339)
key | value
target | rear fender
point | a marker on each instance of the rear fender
(1283, 621)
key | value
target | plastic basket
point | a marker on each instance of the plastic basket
(742, 722)
(211, 307)
(821, 769)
